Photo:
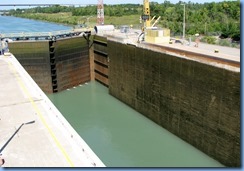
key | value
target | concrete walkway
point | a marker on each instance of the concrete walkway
(33, 133)
(208, 49)
(224, 57)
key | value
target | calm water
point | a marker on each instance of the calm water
(119, 135)
(19, 25)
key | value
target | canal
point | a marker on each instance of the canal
(122, 137)
(11, 24)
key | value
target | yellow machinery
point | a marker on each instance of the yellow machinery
(152, 33)
(146, 16)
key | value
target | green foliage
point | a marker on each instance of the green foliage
(209, 39)
(81, 11)
(224, 42)
(222, 18)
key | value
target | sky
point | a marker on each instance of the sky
(91, 2)
(95, 1)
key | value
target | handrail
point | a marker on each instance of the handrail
(36, 34)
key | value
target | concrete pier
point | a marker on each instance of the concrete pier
(33, 133)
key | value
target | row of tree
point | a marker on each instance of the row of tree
(220, 19)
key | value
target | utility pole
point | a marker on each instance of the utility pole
(100, 12)
(88, 21)
(205, 29)
(184, 22)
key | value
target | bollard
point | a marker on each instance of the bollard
(7, 54)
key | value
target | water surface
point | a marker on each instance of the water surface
(10, 24)
(122, 137)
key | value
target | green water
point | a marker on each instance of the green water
(122, 137)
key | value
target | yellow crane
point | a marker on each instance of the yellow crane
(146, 16)
(151, 33)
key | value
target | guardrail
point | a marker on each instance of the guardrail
(37, 35)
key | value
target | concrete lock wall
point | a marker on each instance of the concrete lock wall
(197, 102)
(35, 58)
(54, 65)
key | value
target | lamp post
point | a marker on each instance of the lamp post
(184, 22)
(88, 21)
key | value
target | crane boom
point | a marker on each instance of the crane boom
(156, 21)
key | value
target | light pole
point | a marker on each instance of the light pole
(184, 22)
(88, 21)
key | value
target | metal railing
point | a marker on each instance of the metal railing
(35, 34)
(38, 35)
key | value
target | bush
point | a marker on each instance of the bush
(209, 40)
(224, 42)
(235, 45)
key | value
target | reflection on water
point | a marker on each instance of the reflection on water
(122, 137)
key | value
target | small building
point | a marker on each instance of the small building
(157, 35)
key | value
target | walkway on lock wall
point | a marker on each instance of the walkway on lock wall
(33, 133)
(225, 57)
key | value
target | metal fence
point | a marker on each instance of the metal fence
(36, 35)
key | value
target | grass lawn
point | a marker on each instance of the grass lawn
(67, 18)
